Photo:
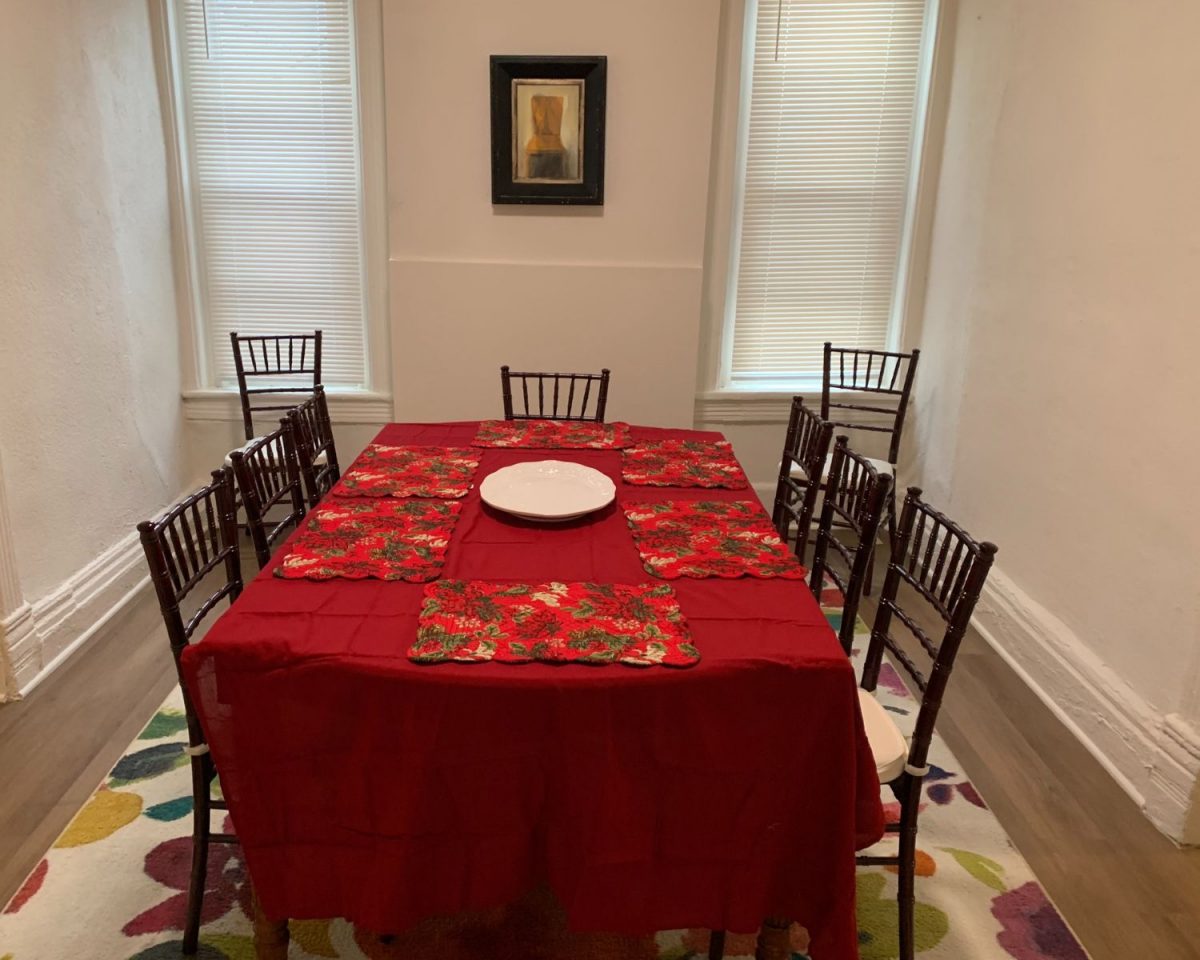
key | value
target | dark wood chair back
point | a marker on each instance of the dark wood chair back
(855, 498)
(268, 476)
(190, 549)
(943, 569)
(316, 453)
(805, 448)
(190, 541)
(556, 396)
(289, 364)
(886, 376)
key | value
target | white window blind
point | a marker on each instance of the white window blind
(829, 148)
(271, 138)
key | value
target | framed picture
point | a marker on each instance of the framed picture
(548, 129)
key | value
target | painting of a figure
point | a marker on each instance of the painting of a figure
(548, 131)
(547, 114)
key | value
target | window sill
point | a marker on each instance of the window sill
(350, 406)
(745, 406)
(760, 406)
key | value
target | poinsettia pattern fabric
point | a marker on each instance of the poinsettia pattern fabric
(683, 463)
(385, 471)
(388, 540)
(473, 621)
(553, 434)
(709, 538)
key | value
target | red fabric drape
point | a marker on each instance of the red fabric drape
(368, 787)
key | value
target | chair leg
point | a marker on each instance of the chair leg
(271, 937)
(907, 895)
(200, 834)
(773, 940)
(891, 525)
(716, 945)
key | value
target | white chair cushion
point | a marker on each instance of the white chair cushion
(881, 466)
(797, 472)
(887, 742)
(321, 460)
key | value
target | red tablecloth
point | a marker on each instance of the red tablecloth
(365, 786)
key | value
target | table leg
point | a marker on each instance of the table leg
(773, 940)
(270, 936)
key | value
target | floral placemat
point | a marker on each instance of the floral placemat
(473, 621)
(387, 540)
(683, 463)
(553, 434)
(709, 538)
(384, 471)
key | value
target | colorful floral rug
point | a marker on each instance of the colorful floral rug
(113, 886)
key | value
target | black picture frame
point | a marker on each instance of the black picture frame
(569, 167)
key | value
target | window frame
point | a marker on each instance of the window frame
(735, 89)
(203, 398)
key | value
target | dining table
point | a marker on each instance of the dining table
(725, 784)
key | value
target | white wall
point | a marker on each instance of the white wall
(473, 286)
(89, 383)
(1060, 341)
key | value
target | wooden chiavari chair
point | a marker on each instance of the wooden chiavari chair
(886, 377)
(289, 364)
(856, 496)
(191, 547)
(800, 471)
(268, 475)
(559, 396)
(941, 569)
(316, 453)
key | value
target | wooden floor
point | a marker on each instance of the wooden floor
(1123, 887)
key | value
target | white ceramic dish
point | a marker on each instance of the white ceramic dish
(547, 490)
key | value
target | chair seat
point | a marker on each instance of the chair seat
(888, 745)
(320, 461)
(882, 466)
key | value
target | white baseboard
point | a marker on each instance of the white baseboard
(1154, 757)
(44, 633)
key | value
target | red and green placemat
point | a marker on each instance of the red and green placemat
(384, 471)
(683, 463)
(387, 540)
(473, 621)
(553, 434)
(709, 538)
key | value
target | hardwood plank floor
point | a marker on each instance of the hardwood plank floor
(1125, 889)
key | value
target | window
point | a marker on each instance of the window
(830, 139)
(267, 105)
